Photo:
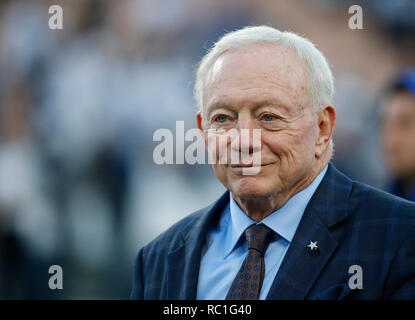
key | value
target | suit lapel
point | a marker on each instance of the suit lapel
(184, 259)
(301, 266)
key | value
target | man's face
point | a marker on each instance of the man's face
(262, 87)
(398, 134)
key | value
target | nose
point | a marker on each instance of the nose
(249, 135)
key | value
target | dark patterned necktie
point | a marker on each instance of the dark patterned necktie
(248, 282)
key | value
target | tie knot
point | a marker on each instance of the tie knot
(258, 237)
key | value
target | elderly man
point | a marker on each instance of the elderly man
(291, 226)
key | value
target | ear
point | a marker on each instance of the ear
(326, 123)
(199, 121)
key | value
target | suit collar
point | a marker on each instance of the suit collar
(301, 266)
(334, 193)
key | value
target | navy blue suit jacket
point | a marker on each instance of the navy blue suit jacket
(353, 223)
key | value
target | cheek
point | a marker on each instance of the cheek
(296, 145)
(221, 173)
(307, 138)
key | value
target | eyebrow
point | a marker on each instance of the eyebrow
(219, 105)
(271, 102)
(256, 105)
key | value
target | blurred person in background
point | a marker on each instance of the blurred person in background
(28, 229)
(398, 134)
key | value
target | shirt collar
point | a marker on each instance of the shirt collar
(283, 221)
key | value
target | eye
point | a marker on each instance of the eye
(221, 118)
(268, 117)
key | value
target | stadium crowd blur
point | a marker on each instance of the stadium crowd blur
(79, 106)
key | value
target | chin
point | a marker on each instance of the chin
(250, 187)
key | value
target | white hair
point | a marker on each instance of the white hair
(320, 78)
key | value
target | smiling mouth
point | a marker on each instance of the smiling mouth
(251, 165)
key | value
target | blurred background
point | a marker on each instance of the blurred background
(79, 106)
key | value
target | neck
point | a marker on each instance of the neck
(258, 208)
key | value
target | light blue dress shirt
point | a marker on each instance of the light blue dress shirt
(225, 248)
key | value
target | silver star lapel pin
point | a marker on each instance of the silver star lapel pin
(313, 245)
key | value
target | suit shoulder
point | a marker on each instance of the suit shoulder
(174, 234)
(168, 240)
(374, 203)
